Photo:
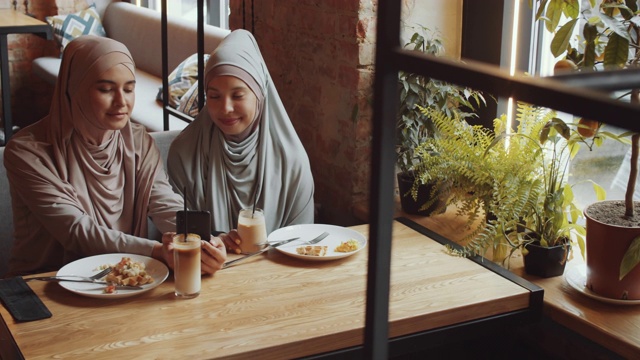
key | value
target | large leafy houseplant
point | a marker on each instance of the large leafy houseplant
(492, 180)
(609, 38)
(556, 219)
(514, 178)
(416, 91)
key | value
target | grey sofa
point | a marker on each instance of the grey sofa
(139, 29)
(163, 139)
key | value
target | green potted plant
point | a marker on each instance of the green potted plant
(610, 41)
(546, 233)
(414, 127)
(492, 180)
(515, 179)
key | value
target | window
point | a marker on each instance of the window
(607, 165)
(216, 12)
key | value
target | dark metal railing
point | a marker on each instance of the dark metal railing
(581, 95)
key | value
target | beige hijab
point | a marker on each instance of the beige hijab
(108, 185)
(269, 167)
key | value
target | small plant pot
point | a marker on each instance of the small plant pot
(425, 192)
(546, 261)
(606, 246)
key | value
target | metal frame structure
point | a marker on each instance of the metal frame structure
(579, 95)
(167, 109)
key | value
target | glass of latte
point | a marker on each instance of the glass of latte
(186, 265)
(252, 230)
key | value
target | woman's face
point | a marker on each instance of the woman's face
(111, 98)
(231, 104)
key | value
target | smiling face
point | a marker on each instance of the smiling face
(231, 105)
(111, 99)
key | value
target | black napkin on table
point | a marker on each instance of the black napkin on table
(21, 301)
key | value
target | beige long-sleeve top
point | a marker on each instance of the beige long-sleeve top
(73, 198)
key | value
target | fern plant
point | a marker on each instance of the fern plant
(493, 179)
(515, 178)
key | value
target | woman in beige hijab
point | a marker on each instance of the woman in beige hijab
(242, 151)
(84, 179)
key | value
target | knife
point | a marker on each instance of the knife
(102, 283)
(270, 246)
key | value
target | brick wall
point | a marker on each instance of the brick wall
(320, 54)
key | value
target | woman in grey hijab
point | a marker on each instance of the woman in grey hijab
(84, 179)
(242, 151)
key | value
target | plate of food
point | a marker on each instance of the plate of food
(340, 243)
(130, 269)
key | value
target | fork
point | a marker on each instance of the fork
(317, 239)
(93, 277)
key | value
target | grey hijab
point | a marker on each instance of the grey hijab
(270, 166)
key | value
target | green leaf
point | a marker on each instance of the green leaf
(631, 7)
(615, 25)
(560, 42)
(590, 32)
(561, 127)
(631, 258)
(571, 9)
(543, 4)
(554, 14)
(589, 59)
(601, 193)
(616, 53)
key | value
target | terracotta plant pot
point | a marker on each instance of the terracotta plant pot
(411, 206)
(546, 261)
(606, 246)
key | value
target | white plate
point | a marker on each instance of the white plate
(90, 265)
(306, 232)
(576, 276)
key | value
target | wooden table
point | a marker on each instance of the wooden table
(14, 22)
(277, 306)
(614, 327)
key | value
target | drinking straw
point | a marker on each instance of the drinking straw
(184, 198)
(253, 211)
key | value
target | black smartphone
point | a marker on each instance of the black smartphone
(198, 222)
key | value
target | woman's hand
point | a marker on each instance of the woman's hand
(213, 255)
(232, 241)
(164, 251)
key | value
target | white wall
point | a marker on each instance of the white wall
(443, 16)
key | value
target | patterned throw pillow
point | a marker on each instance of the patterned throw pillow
(69, 27)
(189, 102)
(181, 79)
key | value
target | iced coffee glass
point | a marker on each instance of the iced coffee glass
(252, 230)
(186, 265)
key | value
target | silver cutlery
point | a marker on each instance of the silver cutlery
(70, 279)
(273, 245)
(93, 279)
(318, 238)
(267, 243)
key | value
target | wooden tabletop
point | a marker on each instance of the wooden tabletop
(14, 22)
(615, 327)
(274, 306)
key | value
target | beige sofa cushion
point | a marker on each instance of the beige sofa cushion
(139, 29)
